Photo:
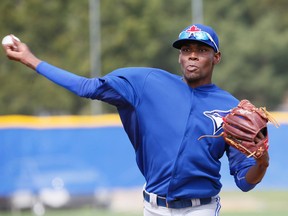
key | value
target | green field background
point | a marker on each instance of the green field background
(254, 203)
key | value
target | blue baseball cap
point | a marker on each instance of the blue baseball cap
(198, 32)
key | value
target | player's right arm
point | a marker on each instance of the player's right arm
(79, 85)
(95, 88)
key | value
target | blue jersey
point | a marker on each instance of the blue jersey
(164, 119)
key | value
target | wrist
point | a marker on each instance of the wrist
(263, 162)
(31, 62)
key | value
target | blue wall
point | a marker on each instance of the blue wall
(90, 158)
(86, 159)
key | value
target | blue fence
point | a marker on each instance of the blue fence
(86, 154)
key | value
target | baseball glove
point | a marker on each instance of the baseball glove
(245, 128)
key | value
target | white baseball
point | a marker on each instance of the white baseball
(7, 40)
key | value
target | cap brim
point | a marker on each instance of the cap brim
(179, 43)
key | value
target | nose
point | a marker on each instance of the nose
(193, 55)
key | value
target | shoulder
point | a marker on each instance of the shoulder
(137, 71)
(141, 74)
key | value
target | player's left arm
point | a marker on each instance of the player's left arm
(256, 173)
(245, 170)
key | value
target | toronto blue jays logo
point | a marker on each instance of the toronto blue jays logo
(216, 117)
(193, 28)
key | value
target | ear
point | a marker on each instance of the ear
(179, 61)
(217, 58)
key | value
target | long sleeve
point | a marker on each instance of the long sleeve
(239, 166)
(79, 85)
(241, 181)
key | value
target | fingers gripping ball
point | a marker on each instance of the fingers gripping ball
(8, 40)
(245, 128)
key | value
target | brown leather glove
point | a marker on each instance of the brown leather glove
(245, 128)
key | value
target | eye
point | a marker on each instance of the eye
(185, 50)
(203, 49)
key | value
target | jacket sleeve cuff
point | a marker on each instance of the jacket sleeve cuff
(241, 181)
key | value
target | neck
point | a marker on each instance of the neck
(195, 84)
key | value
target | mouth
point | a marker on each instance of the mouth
(191, 68)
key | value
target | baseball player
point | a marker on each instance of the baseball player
(164, 115)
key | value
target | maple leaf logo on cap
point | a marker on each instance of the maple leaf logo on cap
(193, 28)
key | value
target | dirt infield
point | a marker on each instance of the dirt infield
(127, 200)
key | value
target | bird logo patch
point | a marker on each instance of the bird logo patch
(216, 117)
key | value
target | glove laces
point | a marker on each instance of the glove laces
(270, 117)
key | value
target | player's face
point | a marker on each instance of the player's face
(197, 61)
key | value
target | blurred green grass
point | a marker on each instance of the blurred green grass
(254, 203)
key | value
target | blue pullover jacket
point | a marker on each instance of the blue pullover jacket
(163, 118)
